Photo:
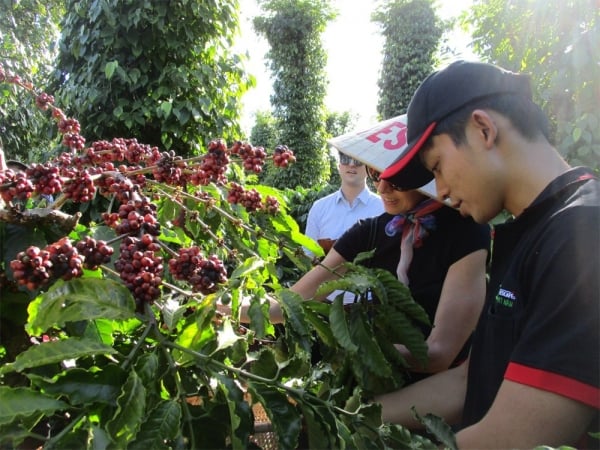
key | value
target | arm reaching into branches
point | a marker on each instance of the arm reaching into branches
(306, 287)
(457, 313)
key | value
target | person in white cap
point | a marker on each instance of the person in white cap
(533, 374)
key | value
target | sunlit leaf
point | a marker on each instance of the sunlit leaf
(109, 68)
(53, 352)
(247, 267)
(227, 337)
(129, 416)
(80, 299)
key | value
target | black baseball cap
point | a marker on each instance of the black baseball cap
(441, 94)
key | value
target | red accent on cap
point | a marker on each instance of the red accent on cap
(409, 155)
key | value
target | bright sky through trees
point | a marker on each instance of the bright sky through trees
(353, 45)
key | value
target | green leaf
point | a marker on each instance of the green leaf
(400, 330)
(259, 317)
(53, 352)
(320, 426)
(239, 412)
(291, 303)
(438, 428)
(194, 338)
(362, 334)
(283, 415)
(357, 282)
(319, 323)
(248, 266)
(109, 68)
(101, 330)
(125, 423)
(162, 424)
(168, 210)
(118, 112)
(227, 337)
(399, 296)
(147, 368)
(363, 256)
(23, 402)
(172, 312)
(80, 299)
(165, 108)
(265, 365)
(83, 387)
(339, 326)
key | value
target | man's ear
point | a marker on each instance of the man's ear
(485, 126)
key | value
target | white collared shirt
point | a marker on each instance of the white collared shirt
(331, 215)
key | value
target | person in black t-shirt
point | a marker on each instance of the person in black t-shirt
(533, 375)
(440, 255)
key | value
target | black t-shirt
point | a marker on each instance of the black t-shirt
(540, 324)
(453, 238)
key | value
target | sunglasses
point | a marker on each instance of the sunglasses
(375, 177)
(347, 160)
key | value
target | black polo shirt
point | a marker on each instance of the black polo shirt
(454, 238)
(540, 324)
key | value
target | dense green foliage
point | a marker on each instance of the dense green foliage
(264, 131)
(161, 70)
(142, 347)
(412, 35)
(29, 33)
(558, 46)
(297, 62)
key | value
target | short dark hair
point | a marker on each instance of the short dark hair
(526, 116)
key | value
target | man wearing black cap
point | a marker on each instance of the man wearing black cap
(533, 376)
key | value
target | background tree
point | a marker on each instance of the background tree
(412, 35)
(264, 131)
(558, 46)
(297, 62)
(29, 31)
(162, 71)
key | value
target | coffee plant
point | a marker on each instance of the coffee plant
(123, 271)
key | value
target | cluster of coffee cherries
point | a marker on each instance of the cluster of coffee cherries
(94, 252)
(214, 164)
(141, 268)
(253, 158)
(134, 217)
(15, 186)
(169, 169)
(271, 205)
(203, 273)
(283, 156)
(35, 267)
(45, 178)
(80, 188)
(248, 198)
